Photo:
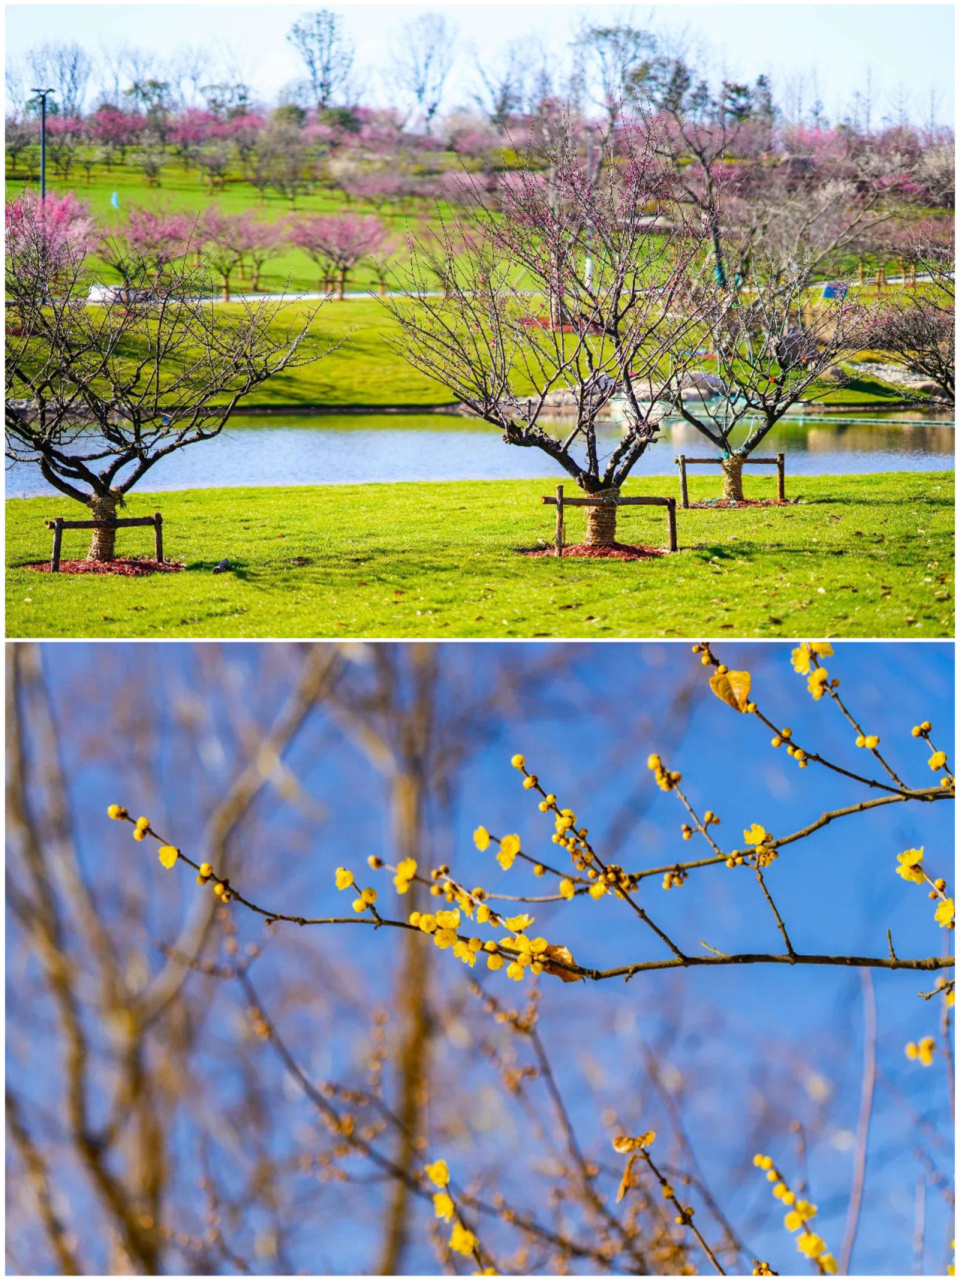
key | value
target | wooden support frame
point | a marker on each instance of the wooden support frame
(560, 502)
(58, 526)
(683, 462)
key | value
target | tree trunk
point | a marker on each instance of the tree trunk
(732, 478)
(102, 507)
(602, 521)
(226, 288)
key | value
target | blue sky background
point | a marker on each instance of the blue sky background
(746, 1050)
(908, 50)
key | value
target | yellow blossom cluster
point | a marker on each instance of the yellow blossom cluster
(461, 1240)
(806, 663)
(805, 658)
(796, 753)
(675, 878)
(406, 870)
(762, 1269)
(922, 1052)
(799, 1213)
(911, 869)
(367, 897)
(666, 779)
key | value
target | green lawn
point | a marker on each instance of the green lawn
(858, 556)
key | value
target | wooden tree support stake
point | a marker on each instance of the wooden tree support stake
(135, 522)
(560, 502)
(682, 461)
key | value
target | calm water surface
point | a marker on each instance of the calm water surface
(361, 450)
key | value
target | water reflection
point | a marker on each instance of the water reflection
(367, 449)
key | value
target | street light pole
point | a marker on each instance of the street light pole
(42, 93)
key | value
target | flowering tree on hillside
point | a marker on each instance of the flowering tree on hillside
(337, 242)
(148, 240)
(97, 395)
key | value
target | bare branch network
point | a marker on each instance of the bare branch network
(591, 876)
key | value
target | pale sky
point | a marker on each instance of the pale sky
(908, 50)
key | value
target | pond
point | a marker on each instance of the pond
(299, 450)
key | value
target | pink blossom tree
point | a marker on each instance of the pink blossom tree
(50, 237)
(149, 239)
(255, 242)
(337, 242)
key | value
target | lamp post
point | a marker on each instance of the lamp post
(42, 94)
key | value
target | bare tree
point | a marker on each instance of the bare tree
(327, 53)
(68, 68)
(97, 395)
(503, 92)
(772, 345)
(617, 290)
(613, 60)
(918, 322)
(423, 52)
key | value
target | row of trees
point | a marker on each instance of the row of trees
(238, 246)
(614, 68)
(369, 155)
(602, 275)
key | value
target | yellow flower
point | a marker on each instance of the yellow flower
(817, 682)
(910, 868)
(755, 834)
(519, 922)
(829, 1263)
(448, 919)
(517, 761)
(359, 905)
(443, 1206)
(406, 870)
(598, 890)
(344, 878)
(465, 953)
(481, 838)
(462, 1240)
(427, 923)
(810, 1246)
(483, 913)
(509, 848)
(444, 938)
(801, 660)
(143, 824)
(937, 760)
(514, 971)
(494, 962)
(169, 855)
(117, 811)
(944, 913)
(368, 895)
(438, 1173)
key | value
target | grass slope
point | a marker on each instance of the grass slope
(859, 556)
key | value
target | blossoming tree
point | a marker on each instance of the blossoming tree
(573, 286)
(97, 395)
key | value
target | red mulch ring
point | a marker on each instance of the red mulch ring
(728, 504)
(616, 551)
(134, 567)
